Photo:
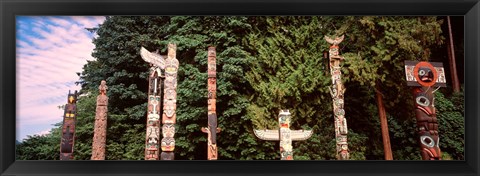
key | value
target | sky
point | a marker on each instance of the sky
(50, 50)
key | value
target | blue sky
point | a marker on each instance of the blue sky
(49, 52)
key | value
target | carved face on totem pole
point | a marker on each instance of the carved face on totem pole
(212, 65)
(424, 75)
(168, 144)
(71, 99)
(153, 104)
(168, 130)
(172, 50)
(170, 107)
(284, 119)
(172, 66)
(334, 51)
(67, 140)
(103, 87)
(171, 81)
(427, 124)
(170, 94)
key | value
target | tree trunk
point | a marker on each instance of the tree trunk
(451, 59)
(383, 122)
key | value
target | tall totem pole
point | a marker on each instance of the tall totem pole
(100, 133)
(212, 129)
(284, 134)
(68, 128)
(169, 104)
(157, 63)
(423, 76)
(337, 91)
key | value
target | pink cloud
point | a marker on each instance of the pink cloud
(47, 62)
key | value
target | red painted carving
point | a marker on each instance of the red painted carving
(424, 75)
(152, 136)
(169, 104)
(68, 129)
(337, 90)
(211, 129)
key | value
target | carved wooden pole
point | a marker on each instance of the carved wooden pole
(212, 129)
(284, 135)
(100, 133)
(68, 129)
(170, 104)
(424, 76)
(152, 141)
(152, 148)
(337, 91)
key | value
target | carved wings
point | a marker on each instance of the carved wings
(269, 135)
(153, 58)
(335, 41)
(300, 135)
(273, 135)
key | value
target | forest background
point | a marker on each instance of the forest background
(265, 64)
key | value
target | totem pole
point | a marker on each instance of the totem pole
(284, 135)
(100, 133)
(337, 91)
(423, 76)
(212, 129)
(68, 128)
(157, 63)
(170, 104)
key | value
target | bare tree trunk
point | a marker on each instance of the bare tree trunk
(383, 123)
(451, 59)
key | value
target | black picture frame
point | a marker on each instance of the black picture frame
(10, 8)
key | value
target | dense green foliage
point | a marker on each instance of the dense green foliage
(264, 64)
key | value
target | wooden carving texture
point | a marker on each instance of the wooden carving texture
(423, 76)
(211, 129)
(169, 103)
(337, 90)
(284, 134)
(427, 123)
(100, 130)
(152, 137)
(68, 128)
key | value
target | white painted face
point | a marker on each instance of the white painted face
(170, 107)
(168, 130)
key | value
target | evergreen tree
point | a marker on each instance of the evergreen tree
(264, 64)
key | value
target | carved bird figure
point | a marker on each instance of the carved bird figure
(153, 58)
(335, 41)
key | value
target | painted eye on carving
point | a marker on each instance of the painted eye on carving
(425, 74)
(427, 140)
(422, 100)
(421, 72)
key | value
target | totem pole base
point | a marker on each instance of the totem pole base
(167, 156)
